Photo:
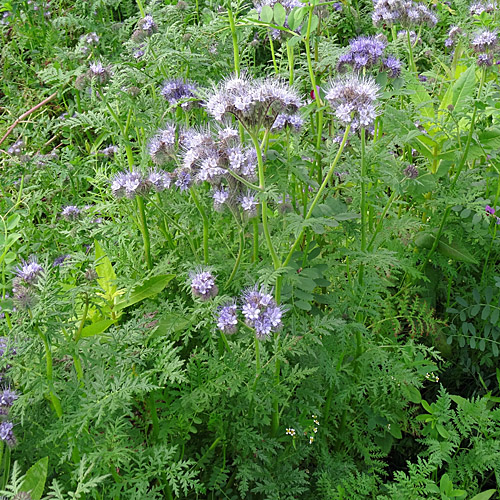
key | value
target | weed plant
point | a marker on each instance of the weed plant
(249, 250)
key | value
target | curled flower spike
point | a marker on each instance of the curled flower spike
(203, 284)
(249, 204)
(477, 8)
(255, 103)
(354, 100)
(291, 122)
(220, 196)
(99, 73)
(129, 184)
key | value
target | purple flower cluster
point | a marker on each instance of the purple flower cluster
(491, 211)
(71, 212)
(180, 91)
(7, 398)
(203, 284)
(254, 103)
(477, 8)
(17, 148)
(134, 183)
(109, 151)
(284, 121)
(7, 434)
(354, 100)
(404, 12)
(259, 310)
(29, 270)
(453, 33)
(99, 73)
(227, 318)
(485, 45)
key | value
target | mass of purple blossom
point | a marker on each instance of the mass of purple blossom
(203, 284)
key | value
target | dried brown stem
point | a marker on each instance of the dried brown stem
(24, 115)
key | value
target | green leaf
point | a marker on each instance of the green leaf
(305, 306)
(463, 89)
(422, 101)
(442, 431)
(97, 327)
(104, 269)
(395, 430)
(266, 14)
(34, 481)
(411, 393)
(279, 14)
(150, 287)
(454, 250)
(13, 221)
(484, 495)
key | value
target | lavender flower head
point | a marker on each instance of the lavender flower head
(364, 53)
(453, 34)
(148, 24)
(109, 151)
(485, 44)
(249, 204)
(404, 12)
(392, 65)
(7, 434)
(183, 181)
(261, 312)
(354, 100)
(29, 270)
(99, 73)
(162, 146)
(4, 346)
(203, 284)
(489, 210)
(177, 90)
(59, 261)
(129, 184)
(254, 103)
(17, 148)
(290, 122)
(7, 398)
(477, 8)
(227, 318)
(220, 196)
(71, 212)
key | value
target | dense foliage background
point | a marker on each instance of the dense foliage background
(245, 253)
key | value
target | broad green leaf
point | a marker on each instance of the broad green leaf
(442, 431)
(104, 269)
(150, 287)
(411, 393)
(454, 250)
(279, 14)
(97, 327)
(395, 430)
(294, 41)
(34, 481)
(305, 306)
(484, 495)
(422, 101)
(266, 14)
(13, 221)
(463, 89)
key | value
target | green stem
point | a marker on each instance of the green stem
(204, 218)
(50, 378)
(236, 53)
(262, 185)
(238, 258)
(289, 53)
(271, 44)
(257, 357)
(410, 52)
(363, 201)
(461, 165)
(319, 128)
(141, 8)
(144, 231)
(6, 467)
(255, 225)
(483, 274)
(154, 415)
(382, 217)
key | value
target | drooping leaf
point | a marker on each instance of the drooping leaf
(104, 269)
(34, 481)
(97, 328)
(463, 89)
(279, 14)
(150, 287)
